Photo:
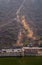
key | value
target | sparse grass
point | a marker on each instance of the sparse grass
(21, 61)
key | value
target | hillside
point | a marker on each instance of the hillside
(32, 10)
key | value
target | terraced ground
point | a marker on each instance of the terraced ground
(20, 60)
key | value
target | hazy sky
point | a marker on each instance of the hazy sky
(33, 0)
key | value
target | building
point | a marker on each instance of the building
(32, 51)
(23, 51)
